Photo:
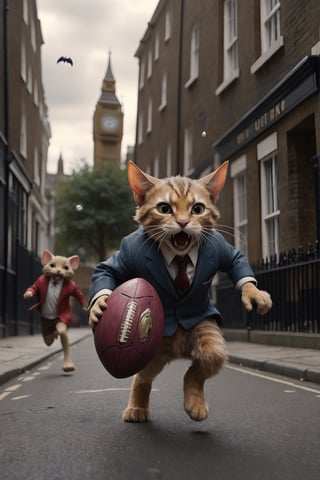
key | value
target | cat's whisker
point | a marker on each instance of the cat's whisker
(232, 232)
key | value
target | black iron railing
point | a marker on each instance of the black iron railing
(293, 280)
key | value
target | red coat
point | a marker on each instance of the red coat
(69, 289)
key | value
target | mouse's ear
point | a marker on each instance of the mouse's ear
(74, 262)
(46, 257)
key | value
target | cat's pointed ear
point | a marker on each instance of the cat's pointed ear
(46, 257)
(74, 262)
(215, 181)
(139, 182)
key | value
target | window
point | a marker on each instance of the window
(167, 26)
(230, 38)
(36, 92)
(149, 117)
(156, 167)
(25, 11)
(23, 132)
(238, 173)
(33, 34)
(187, 161)
(169, 161)
(149, 70)
(142, 73)
(194, 56)
(270, 23)
(140, 129)
(163, 92)
(29, 82)
(156, 46)
(23, 66)
(230, 44)
(36, 167)
(271, 38)
(267, 154)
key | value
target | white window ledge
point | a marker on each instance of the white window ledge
(228, 81)
(190, 81)
(267, 55)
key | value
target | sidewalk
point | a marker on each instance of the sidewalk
(19, 354)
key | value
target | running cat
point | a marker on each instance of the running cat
(177, 216)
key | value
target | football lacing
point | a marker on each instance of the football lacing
(125, 328)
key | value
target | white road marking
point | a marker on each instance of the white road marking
(4, 395)
(13, 388)
(21, 397)
(111, 390)
(28, 379)
(272, 379)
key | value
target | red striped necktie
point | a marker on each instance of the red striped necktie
(182, 281)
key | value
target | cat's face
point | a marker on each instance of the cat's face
(176, 211)
(59, 267)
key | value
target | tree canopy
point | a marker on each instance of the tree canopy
(94, 210)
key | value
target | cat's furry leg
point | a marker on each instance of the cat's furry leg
(208, 353)
(138, 405)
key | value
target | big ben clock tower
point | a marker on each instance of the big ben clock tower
(107, 122)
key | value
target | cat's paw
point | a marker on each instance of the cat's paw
(196, 406)
(136, 414)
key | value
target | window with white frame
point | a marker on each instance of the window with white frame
(140, 129)
(156, 166)
(156, 46)
(25, 10)
(23, 66)
(169, 161)
(270, 23)
(167, 25)
(30, 79)
(230, 37)
(149, 69)
(23, 132)
(238, 173)
(149, 116)
(163, 103)
(33, 34)
(230, 44)
(188, 147)
(270, 212)
(142, 73)
(270, 27)
(36, 167)
(194, 56)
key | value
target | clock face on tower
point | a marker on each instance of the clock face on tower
(109, 122)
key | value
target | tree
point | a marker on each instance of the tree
(94, 210)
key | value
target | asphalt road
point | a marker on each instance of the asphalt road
(68, 426)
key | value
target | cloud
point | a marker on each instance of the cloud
(86, 31)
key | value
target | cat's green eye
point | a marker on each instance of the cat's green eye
(164, 208)
(198, 208)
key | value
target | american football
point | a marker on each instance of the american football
(131, 328)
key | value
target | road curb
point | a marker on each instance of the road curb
(279, 368)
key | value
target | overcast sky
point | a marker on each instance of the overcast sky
(86, 30)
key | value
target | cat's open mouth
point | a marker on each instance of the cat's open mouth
(180, 240)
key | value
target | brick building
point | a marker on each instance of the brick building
(24, 140)
(237, 81)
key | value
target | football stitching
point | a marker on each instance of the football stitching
(126, 325)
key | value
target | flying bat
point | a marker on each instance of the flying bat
(65, 59)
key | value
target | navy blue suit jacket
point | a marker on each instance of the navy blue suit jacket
(140, 256)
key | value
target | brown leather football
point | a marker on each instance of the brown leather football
(131, 328)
